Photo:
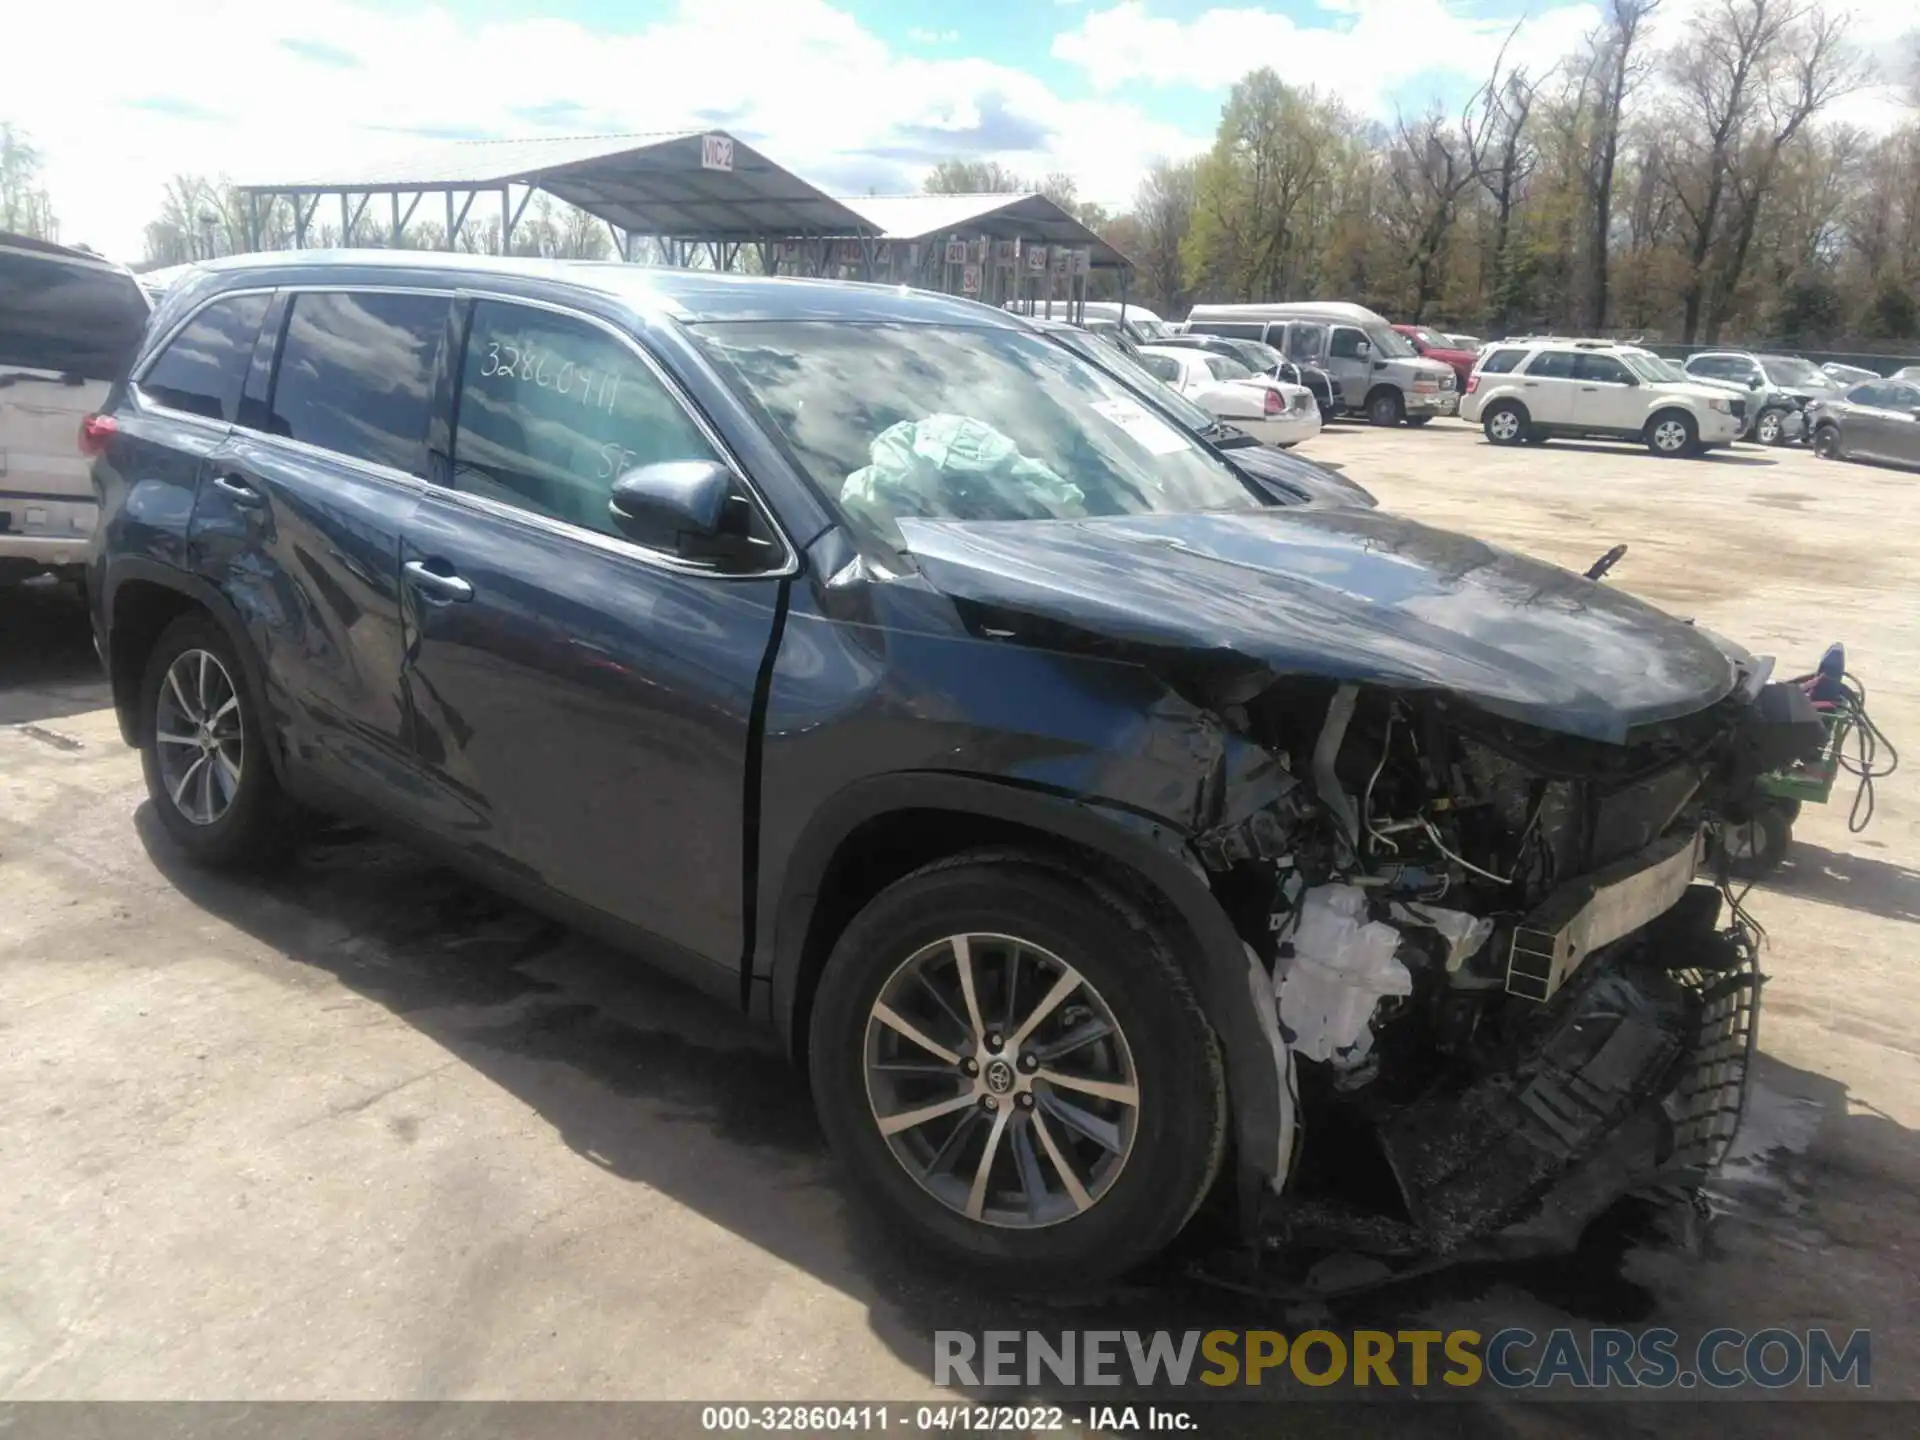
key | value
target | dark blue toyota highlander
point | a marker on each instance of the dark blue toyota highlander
(1102, 835)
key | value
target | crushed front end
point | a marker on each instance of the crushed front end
(1510, 990)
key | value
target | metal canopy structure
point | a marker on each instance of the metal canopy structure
(1021, 250)
(685, 188)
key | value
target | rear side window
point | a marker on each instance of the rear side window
(67, 316)
(356, 374)
(553, 410)
(1502, 362)
(1162, 367)
(1304, 342)
(1899, 397)
(1230, 328)
(1553, 364)
(1711, 366)
(202, 368)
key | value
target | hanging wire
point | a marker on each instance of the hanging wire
(1868, 742)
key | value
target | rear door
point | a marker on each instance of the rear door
(69, 327)
(1900, 424)
(1550, 393)
(583, 703)
(300, 515)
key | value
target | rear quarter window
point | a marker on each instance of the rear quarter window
(67, 316)
(200, 371)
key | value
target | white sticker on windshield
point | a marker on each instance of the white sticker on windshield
(1149, 432)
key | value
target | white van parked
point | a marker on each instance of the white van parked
(1376, 370)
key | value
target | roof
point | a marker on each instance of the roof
(666, 184)
(1002, 216)
(689, 296)
(53, 250)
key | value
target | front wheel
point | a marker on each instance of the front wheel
(1385, 407)
(1672, 433)
(1767, 428)
(1014, 1071)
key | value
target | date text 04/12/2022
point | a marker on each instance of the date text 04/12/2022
(929, 1419)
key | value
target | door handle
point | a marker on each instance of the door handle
(239, 491)
(440, 587)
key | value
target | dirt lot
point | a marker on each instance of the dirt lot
(366, 1131)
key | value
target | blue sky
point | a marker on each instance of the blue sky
(857, 95)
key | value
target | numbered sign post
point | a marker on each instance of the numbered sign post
(970, 280)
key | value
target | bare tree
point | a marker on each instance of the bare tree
(1504, 172)
(1618, 66)
(974, 177)
(1163, 213)
(24, 207)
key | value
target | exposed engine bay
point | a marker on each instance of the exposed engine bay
(1496, 960)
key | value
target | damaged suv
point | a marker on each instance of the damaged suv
(1102, 836)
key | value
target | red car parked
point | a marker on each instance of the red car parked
(1433, 345)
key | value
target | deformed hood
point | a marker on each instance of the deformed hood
(1345, 595)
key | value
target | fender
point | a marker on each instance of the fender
(124, 568)
(1217, 962)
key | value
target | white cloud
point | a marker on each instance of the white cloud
(1363, 52)
(269, 89)
(932, 37)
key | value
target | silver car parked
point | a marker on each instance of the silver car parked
(1879, 420)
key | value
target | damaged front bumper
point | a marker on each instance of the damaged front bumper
(1633, 1080)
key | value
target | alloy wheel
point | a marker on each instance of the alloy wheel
(1504, 425)
(1826, 442)
(1670, 436)
(1001, 1081)
(1767, 431)
(199, 736)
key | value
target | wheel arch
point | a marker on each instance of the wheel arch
(881, 830)
(140, 599)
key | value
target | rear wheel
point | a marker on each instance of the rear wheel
(1385, 407)
(1672, 433)
(1505, 423)
(203, 749)
(1826, 442)
(1015, 1072)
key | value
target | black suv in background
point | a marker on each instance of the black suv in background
(1091, 827)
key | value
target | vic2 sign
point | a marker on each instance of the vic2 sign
(716, 152)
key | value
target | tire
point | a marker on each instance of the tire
(1506, 423)
(1419, 420)
(228, 811)
(1672, 433)
(1757, 847)
(1826, 443)
(1178, 1125)
(1385, 407)
(1767, 426)
(1537, 436)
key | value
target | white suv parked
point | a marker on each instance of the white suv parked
(1533, 390)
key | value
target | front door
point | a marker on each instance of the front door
(1349, 359)
(1607, 395)
(582, 704)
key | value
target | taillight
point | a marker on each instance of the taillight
(95, 432)
(1273, 404)
(1473, 383)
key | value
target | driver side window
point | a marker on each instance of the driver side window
(1346, 343)
(552, 410)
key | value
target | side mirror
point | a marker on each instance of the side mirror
(1362, 349)
(680, 506)
(1754, 382)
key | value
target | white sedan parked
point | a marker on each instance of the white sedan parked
(1272, 411)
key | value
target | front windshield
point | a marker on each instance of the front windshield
(1390, 343)
(1792, 370)
(954, 422)
(1132, 373)
(1653, 368)
(1146, 331)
